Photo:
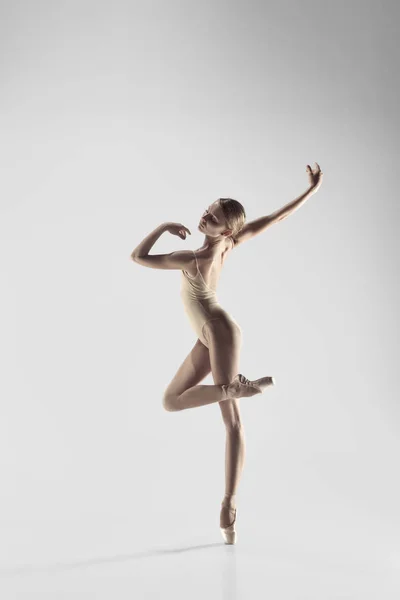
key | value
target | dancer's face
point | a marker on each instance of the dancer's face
(213, 223)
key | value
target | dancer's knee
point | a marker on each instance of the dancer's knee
(170, 403)
(231, 416)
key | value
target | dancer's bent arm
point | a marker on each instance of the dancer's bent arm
(180, 259)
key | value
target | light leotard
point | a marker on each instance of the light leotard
(201, 303)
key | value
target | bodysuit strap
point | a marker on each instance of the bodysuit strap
(197, 264)
(199, 273)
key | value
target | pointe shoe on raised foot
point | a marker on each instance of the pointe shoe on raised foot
(229, 533)
(264, 382)
(241, 387)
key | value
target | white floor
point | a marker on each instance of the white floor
(129, 558)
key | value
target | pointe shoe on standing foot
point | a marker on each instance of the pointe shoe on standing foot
(229, 533)
(241, 387)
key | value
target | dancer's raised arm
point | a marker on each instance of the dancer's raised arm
(253, 228)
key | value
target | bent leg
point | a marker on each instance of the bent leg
(195, 396)
(194, 369)
(184, 390)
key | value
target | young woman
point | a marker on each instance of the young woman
(217, 349)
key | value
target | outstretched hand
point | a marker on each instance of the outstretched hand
(177, 229)
(314, 176)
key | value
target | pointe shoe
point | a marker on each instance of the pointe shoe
(229, 533)
(241, 387)
(264, 382)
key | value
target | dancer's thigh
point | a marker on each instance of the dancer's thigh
(224, 339)
(192, 371)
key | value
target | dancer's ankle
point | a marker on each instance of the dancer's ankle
(226, 392)
(229, 501)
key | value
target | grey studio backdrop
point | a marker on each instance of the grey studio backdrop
(118, 117)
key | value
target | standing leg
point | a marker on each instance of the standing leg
(224, 340)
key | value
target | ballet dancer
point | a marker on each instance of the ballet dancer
(217, 349)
